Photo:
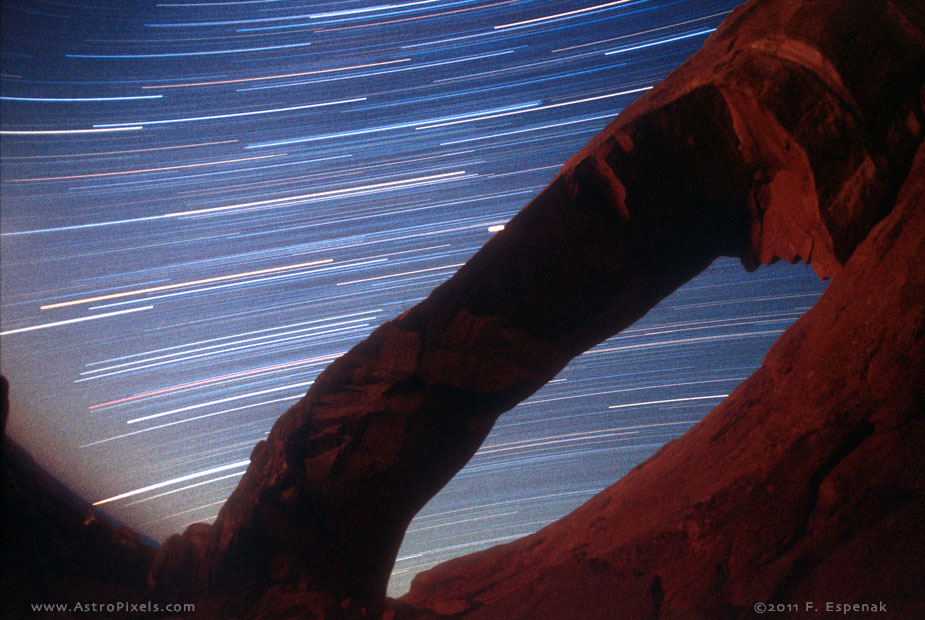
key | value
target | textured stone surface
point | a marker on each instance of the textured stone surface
(787, 136)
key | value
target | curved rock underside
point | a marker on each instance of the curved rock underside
(793, 134)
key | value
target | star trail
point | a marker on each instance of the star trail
(205, 203)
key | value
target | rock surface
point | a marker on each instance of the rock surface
(788, 136)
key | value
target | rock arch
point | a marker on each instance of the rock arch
(788, 136)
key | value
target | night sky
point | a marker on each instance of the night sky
(204, 203)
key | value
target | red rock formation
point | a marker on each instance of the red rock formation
(806, 485)
(787, 136)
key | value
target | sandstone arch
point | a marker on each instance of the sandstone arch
(788, 136)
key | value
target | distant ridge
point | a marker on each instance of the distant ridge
(56, 549)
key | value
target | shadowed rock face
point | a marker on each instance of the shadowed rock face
(788, 136)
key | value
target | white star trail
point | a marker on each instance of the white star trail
(166, 483)
(92, 317)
